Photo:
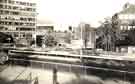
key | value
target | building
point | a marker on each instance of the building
(46, 28)
(85, 34)
(126, 27)
(18, 18)
(127, 17)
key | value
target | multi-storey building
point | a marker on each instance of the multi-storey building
(18, 17)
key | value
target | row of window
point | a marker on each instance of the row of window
(127, 27)
(16, 23)
(16, 18)
(18, 2)
(7, 12)
(22, 35)
(17, 8)
(25, 29)
(18, 29)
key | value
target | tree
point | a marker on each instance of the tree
(107, 36)
(49, 41)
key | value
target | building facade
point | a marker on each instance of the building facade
(126, 27)
(18, 18)
(127, 17)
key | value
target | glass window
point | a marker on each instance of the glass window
(1, 11)
(6, 12)
(9, 7)
(15, 13)
(16, 23)
(1, 0)
(11, 2)
(1, 22)
(1, 6)
(15, 7)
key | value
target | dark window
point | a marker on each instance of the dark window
(6, 12)
(16, 23)
(16, 35)
(25, 29)
(10, 23)
(1, 22)
(1, 0)
(15, 13)
(1, 11)
(1, 6)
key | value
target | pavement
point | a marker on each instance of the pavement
(18, 74)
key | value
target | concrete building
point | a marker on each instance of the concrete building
(18, 18)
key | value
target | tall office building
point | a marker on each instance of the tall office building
(18, 17)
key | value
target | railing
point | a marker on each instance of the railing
(101, 56)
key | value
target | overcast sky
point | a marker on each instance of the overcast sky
(71, 12)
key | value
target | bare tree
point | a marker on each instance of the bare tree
(108, 35)
(49, 40)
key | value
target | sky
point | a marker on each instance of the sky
(72, 12)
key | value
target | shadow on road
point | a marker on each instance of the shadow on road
(5, 81)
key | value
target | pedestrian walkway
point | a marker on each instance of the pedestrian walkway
(20, 75)
(12, 72)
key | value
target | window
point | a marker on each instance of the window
(29, 9)
(34, 9)
(1, 6)
(11, 2)
(10, 23)
(25, 29)
(1, 11)
(16, 23)
(31, 4)
(15, 7)
(23, 3)
(6, 28)
(9, 7)
(21, 23)
(1, 22)
(16, 35)
(6, 12)
(15, 13)
(5, 0)
(1, 0)
(27, 4)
